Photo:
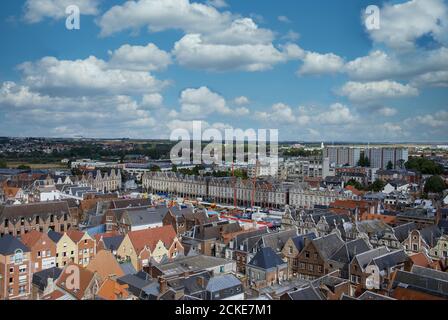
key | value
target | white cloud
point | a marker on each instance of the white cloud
(154, 100)
(37, 10)
(284, 19)
(89, 76)
(436, 120)
(241, 101)
(218, 3)
(56, 116)
(291, 36)
(161, 15)
(433, 79)
(336, 115)
(365, 91)
(192, 52)
(404, 23)
(316, 63)
(139, 58)
(279, 113)
(387, 112)
(241, 31)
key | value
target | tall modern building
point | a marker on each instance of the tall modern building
(340, 156)
(379, 157)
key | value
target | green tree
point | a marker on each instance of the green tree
(355, 184)
(423, 165)
(155, 168)
(434, 184)
(377, 186)
(3, 164)
(390, 165)
(174, 168)
(363, 161)
(23, 167)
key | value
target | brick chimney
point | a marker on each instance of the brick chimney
(163, 285)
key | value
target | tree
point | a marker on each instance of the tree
(354, 183)
(363, 161)
(434, 184)
(174, 168)
(3, 164)
(377, 186)
(23, 167)
(155, 168)
(390, 165)
(423, 165)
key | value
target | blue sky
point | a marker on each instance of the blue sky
(141, 69)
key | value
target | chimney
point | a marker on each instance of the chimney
(200, 281)
(163, 285)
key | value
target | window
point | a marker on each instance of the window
(415, 247)
(290, 250)
(307, 254)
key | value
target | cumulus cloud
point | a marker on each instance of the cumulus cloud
(192, 52)
(403, 24)
(159, 15)
(198, 103)
(364, 91)
(241, 101)
(283, 19)
(98, 116)
(337, 114)
(37, 10)
(139, 58)
(218, 3)
(279, 113)
(387, 112)
(154, 100)
(436, 120)
(88, 76)
(316, 63)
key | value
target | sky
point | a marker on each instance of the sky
(312, 69)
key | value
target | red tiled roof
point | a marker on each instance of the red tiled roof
(85, 278)
(75, 235)
(150, 237)
(112, 290)
(29, 239)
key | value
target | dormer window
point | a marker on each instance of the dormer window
(52, 218)
(37, 219)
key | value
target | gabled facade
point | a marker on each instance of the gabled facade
(85, 247)
(15, 269)
(42, 250)
(139, 247)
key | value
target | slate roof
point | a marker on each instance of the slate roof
(128, 268)
(277, 240)
(128, 203)
(349, 250)
(328, 245)
(146, 216)
(249, 239)
(222, 282)
(112, 243)
(31, 210)
(9, 244)
(421, 282)
(431, 234)
(309, 293)
(390, 259)
(402, 231)
(299, 241)
(40, 279)
(265, 259)
(365, 258)
(54, 236)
